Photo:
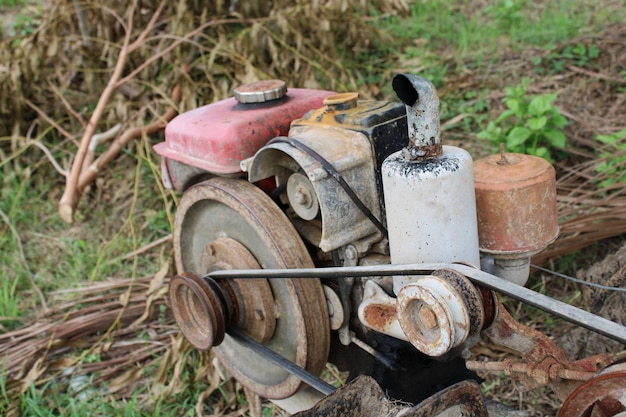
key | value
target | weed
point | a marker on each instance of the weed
(530, 124)
(506, 13)
(577, 54)
(8, 305)
(613, 167)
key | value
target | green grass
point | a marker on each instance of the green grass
(466, 30)
(49, 400)
(35, 244)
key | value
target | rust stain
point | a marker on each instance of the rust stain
(380, 316)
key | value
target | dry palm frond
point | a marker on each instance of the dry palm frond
(122, 323)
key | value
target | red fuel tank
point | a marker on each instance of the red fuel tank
(216, 137)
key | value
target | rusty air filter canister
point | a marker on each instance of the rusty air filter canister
(516, 204)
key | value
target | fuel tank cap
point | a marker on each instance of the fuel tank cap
(260, 91)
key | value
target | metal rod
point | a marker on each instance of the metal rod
(307, 377)
(557, 308)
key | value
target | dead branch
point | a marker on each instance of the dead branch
(114, 149)
(48, 154)
(69, 200)
(96, 140)
(44, 116)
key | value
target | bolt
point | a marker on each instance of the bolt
(258, 314)
(428, 318)
(301, 197)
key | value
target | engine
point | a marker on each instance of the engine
(316, 227)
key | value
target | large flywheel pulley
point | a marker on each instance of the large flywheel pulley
(226, 224)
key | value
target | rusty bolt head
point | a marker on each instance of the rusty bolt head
(428, 318)
(302, 197)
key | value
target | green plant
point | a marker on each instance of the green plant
(577, 54)
(507, 13)
(613, 166)
(530, 124)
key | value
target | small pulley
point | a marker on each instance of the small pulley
(439, 312)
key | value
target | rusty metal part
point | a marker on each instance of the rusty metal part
(201, 309)
(516, 203)
(363, 397)
(462, 399)
(516, 209)
(472, 297)
(253, 299)
(422, 108)
(237, 210)
(532, 344)
(378, 312)
(602, 396)
(542, 362)
(433, 315)
(360, 397)
(516, 368)
(261, 91)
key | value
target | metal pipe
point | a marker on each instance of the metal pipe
(557, 308)
(422, 113)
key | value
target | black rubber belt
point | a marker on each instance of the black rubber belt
(327, 166)
(307, 377)
(557, 308)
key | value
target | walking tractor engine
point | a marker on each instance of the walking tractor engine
(316, 227)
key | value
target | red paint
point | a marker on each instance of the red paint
(216, 137)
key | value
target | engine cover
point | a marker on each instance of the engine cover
(216, 137)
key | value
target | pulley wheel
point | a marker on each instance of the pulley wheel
(603, 395)
(233, 209)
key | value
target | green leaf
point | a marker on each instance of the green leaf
(518, 91)
(608, 139)
(514, 104)
(541, 104)
(606, 183)
(579, 49)
(558, 120)
(486, 136)
(593, 51)
(537, 123)
(517, 136)
(613, 138)
(556, 138)
(505, 115)
(543, 152)
(603, 166)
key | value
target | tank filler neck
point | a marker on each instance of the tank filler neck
(422, 111)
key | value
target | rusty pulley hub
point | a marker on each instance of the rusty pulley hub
(204, 307)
